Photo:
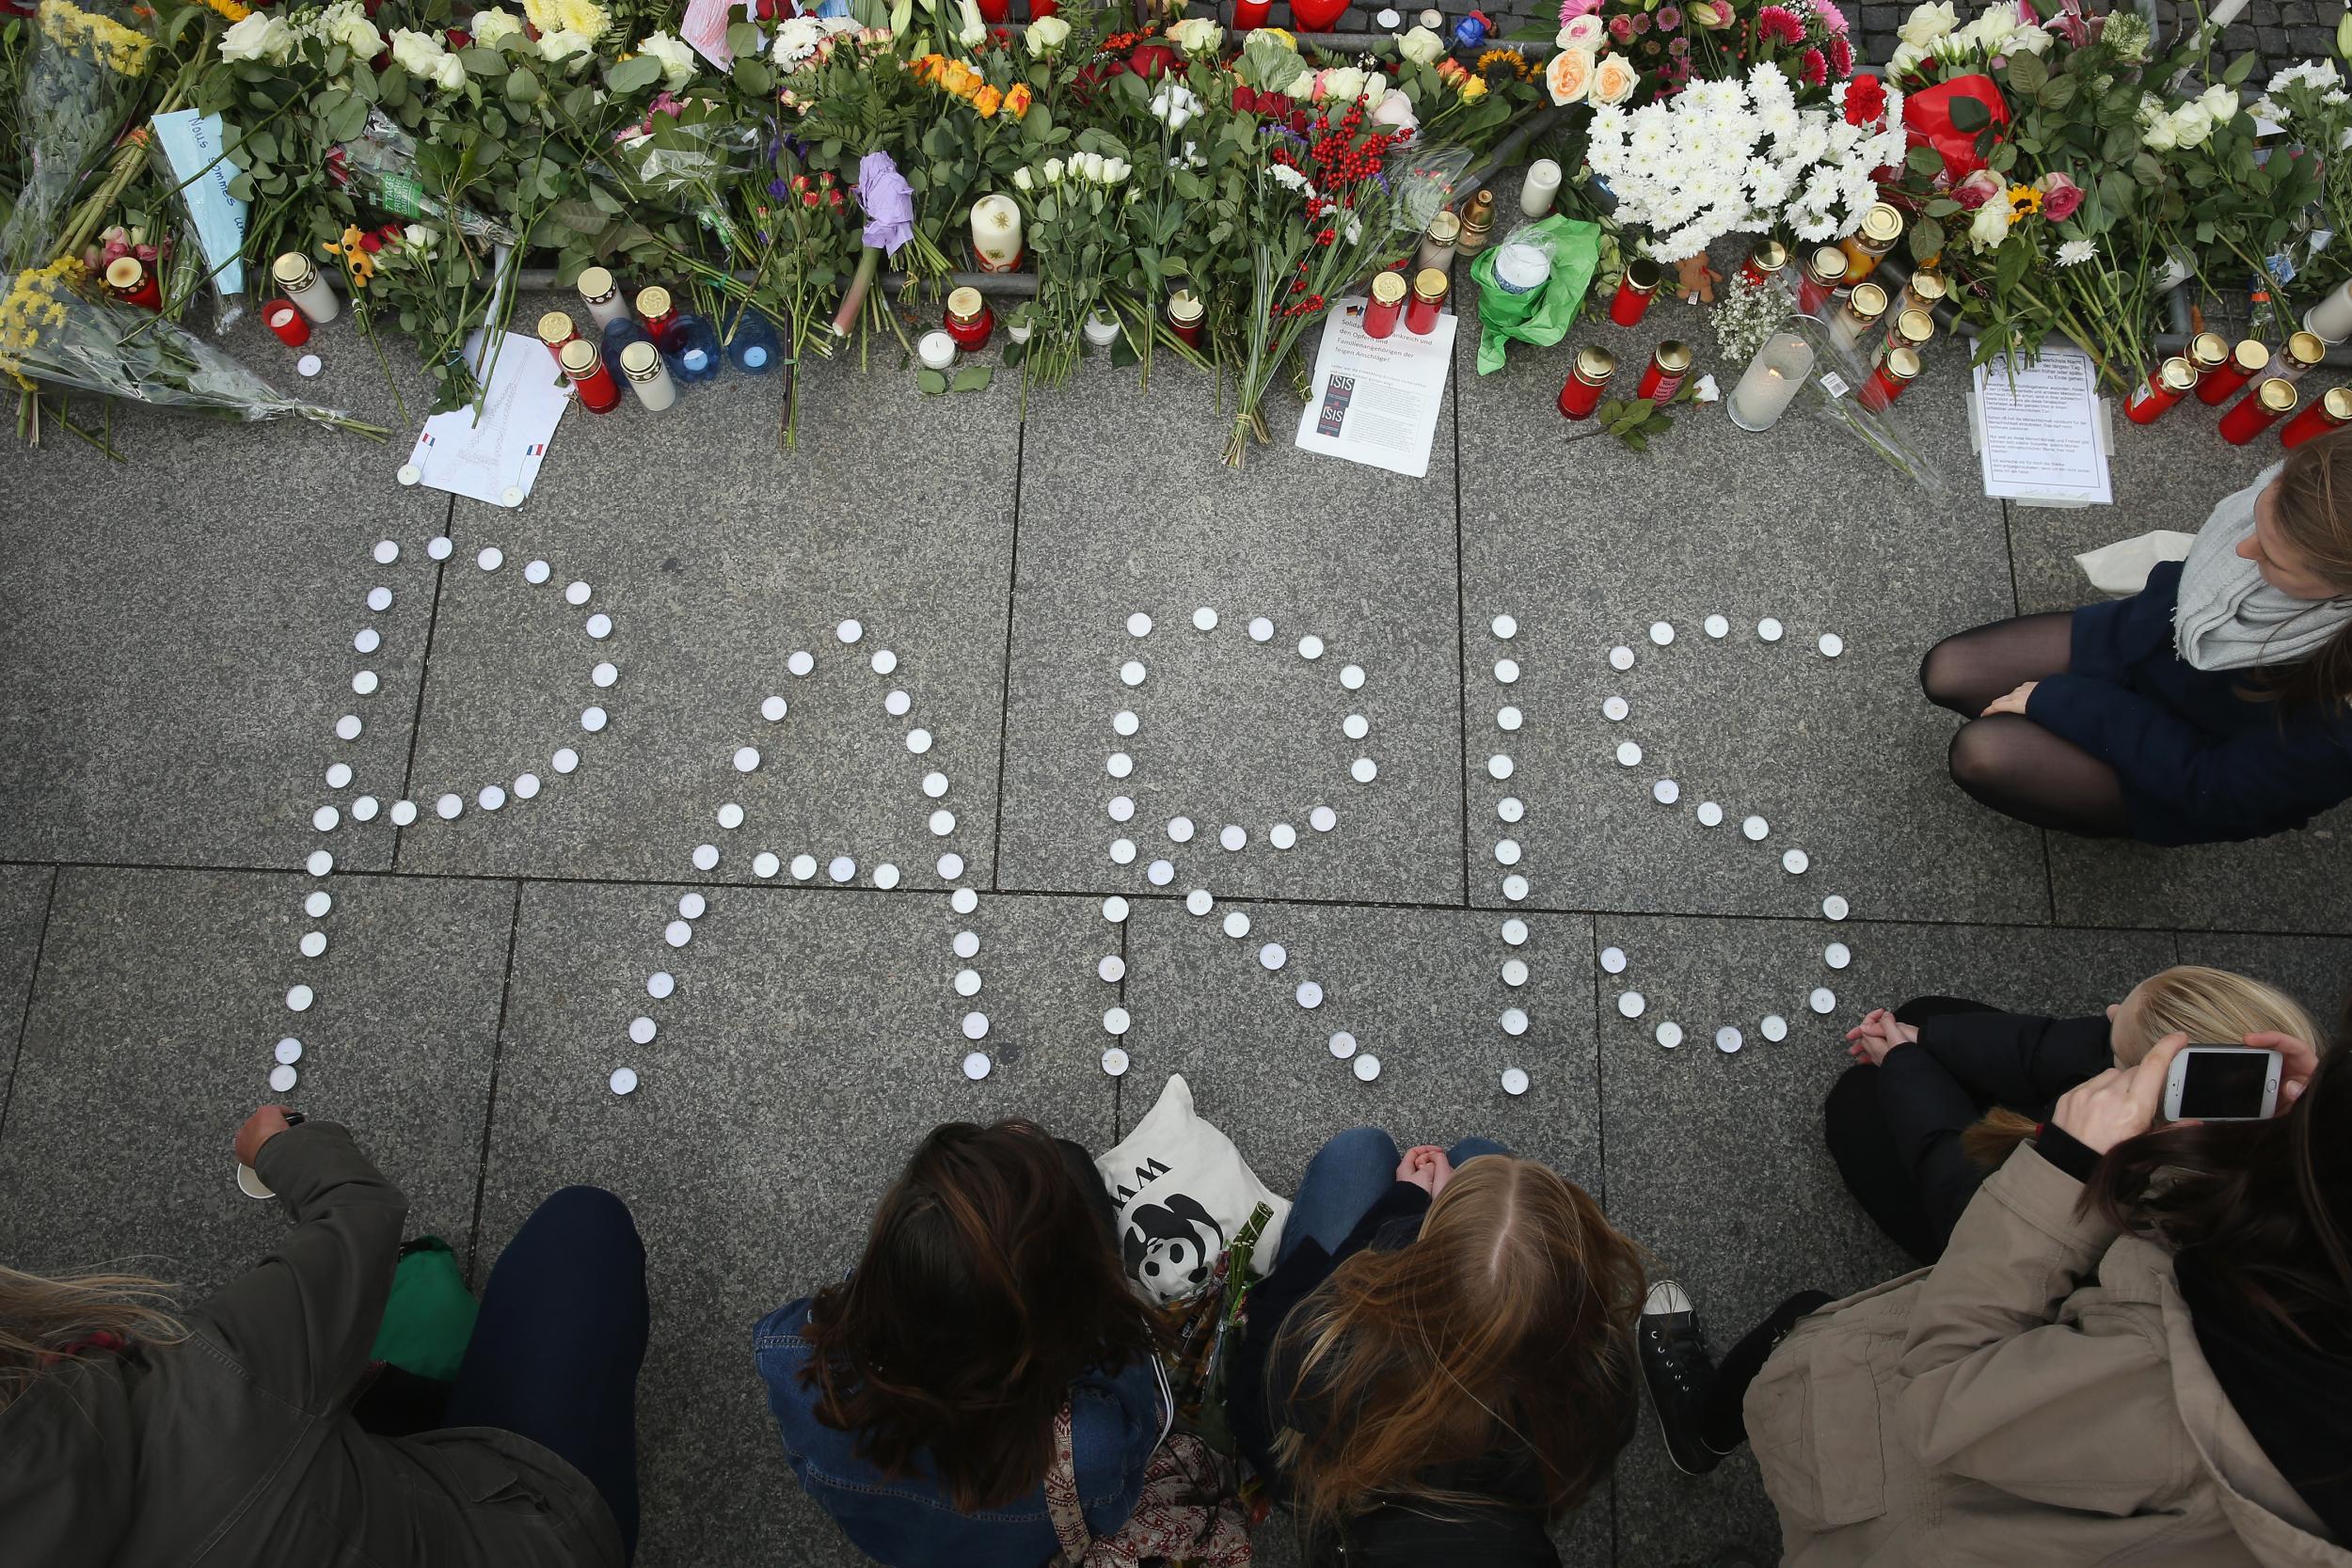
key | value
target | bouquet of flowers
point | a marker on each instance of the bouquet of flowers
(1739, 156)
(2261, 212)
(1076, 218)
(81, 81)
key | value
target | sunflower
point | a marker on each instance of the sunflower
(2024, 202)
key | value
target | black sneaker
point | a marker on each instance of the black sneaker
(1678, 1371)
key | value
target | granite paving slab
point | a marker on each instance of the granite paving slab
(178, 628)
(25, 893)
(2315, 970)
(1715, 1161)
(717, 558)
(812, 1040)
(150, 1039)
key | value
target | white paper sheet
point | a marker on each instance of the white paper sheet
(1376, 399)
(2038, 430)
(496, 459)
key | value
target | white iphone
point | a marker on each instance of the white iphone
(2223, 1083)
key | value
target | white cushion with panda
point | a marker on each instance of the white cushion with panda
(1182, 1189)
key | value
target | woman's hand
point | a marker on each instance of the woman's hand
(1426, 1166)
(259, 1128)
(1878, 1033)
(2015, 703)
(2121, 1102)
(2296, 1071)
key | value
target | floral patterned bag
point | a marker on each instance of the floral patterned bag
(1187, 1516)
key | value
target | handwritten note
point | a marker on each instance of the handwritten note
(2039, 430)
(191, 144)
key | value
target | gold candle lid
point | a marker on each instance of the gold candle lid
(554, 327)
(654, 301)
(2209, 351)
(1184, 307)
(1429, 285)
(1927, 286)
(595, 283)
(2304, 348)
(1828, 265)
(2276, 395)
(1388, 288)
(1882, 225)
(1643, 276)
(1595, 365)
(293, 270)
(578, 358)
(1672, 357)
(1900, 364)
(1866, 303)
(1446, 228)
(2338, 403)
(125, 272)
(639, 361)
(2176, 374)
(1914, 326)
(964, 306)
(1770, 257)
(2249, 356)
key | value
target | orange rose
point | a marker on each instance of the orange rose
(1017, 100)
(987, 101)
(1568, 75)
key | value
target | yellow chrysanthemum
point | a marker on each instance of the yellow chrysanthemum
(37, 298)
(120, 49)
(585, 17)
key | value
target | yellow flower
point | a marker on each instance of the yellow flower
(37, 296)
(230, 8)
(585, 17)
(2024, 201)
(122, 50)
(1017, 100)
(987, 101)
(1473, 88)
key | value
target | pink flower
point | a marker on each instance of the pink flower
(1641, 21)
(1813, 69)
(2060, 197)
(1669, 18)
(1571, 9)
(1978, 189)
(1778, 25)
(1621, 28)
(1840, 59)
(1833, 20)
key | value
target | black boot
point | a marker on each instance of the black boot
(1679, 1371)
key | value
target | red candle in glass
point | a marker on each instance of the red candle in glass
(1186, 316)
(2258, 410)
(1895, 372)
(2245, 362)
(2331, 413)
(1667, 369)
(2166, 384)
(292, 327)
(1765, 263)
(132, 281)
(555, 330)
(1042, 8)
(1635, 290)
(1388, 304)
(969, 320)
(1825, 270)
(1429, 290)
(1587, 379)
(658, 316)
(1251, 13)
(598, 392)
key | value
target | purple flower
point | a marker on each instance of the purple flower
(888, 201)
(777, 187)
(1641, 21)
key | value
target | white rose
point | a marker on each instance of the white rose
(2028, 40)
(347, 23)
(447, 73)
(1928, 22)
(1375, 85)
(1906, 56)
(488, 27)
(2220, 101)
(1991, 226)
(1999, 20)
(2160, 136)
(1395, 110)
(973, 30)
(261, 36)
(1197, 35)
(1342, 83)
(1046, 34)
(1021, 182)
(417, 237)
(2192, 124)
(1053, 171)
(1614, 77)
(416, 52)
(1584, 32)
(1421, 46)
(563, 44)
(1095, 166)
(677, 60)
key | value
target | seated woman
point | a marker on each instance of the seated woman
(2211, 706)
(130, 1435)
(918, 1396)
(1945, 1090)
(2138, 1349)
(1441, 1365)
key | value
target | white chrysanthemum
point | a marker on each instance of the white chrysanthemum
(2073, 253)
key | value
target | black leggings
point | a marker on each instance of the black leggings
(1854, 1122)
(2008, 762)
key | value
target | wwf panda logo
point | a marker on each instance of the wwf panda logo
(1171, 1247)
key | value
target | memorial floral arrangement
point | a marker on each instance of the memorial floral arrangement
(2260, 207)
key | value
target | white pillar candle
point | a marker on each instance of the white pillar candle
(647, 376)
(603, 301)
(1772, 382)
(1540, 187)
(996, 233)
(302, 283)
(936, 350)
(1102, 329)
(2330, 320)
(2224, 13)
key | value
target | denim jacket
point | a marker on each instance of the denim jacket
(908, 1521)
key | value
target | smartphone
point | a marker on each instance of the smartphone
(2223, 1083)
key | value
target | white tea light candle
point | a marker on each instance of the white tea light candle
(936, 350)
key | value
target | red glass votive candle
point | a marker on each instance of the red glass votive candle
(555, 330)
(2258, 410)
(292, 327)
(132, 281)
(1588, 378)
(1429, 292)
(2166, 384)
(969, 320)
(1388, 304)
(2245, 361)
(1825, 270)
(658, 315)
(2331, 413)
(1897, 371)
(1765, 263)
(1635, 290)
(598, 392)
(1667, 369)
(1186, 316)
(1251, 13)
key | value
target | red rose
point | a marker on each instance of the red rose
(459, 38)
(1151, 61)
(370, 243)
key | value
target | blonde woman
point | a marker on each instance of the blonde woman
(130, 1435)
(1944, 1089)
(1442, 1365)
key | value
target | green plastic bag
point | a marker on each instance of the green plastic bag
(428, 1319)
(1542, 316)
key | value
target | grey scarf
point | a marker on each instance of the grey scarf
(2229, 618)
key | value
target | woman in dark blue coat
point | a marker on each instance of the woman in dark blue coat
(2211, 706)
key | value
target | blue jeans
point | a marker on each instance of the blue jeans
(1347, 1176)
(557, 1346)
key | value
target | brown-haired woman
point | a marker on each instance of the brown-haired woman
(2138, 1349)
(1443, 1364)
(2211, 706)
(918, 1398)
(1943, 1090)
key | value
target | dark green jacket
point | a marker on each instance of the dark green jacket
(235, 1448)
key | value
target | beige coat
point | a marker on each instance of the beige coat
(2037, 1398)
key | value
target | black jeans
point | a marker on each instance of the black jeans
(1722, 1423)
(1864, 1148)
(562, 1333)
